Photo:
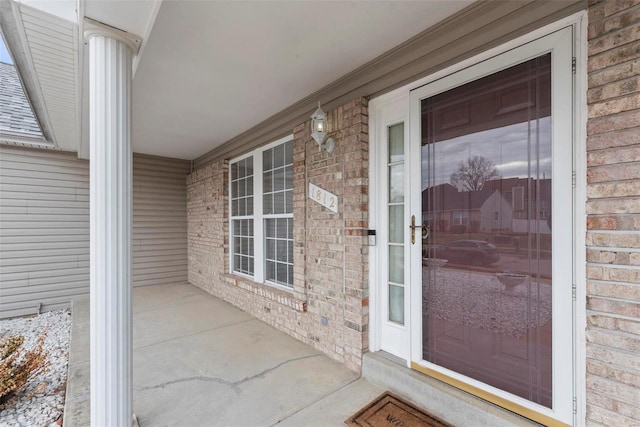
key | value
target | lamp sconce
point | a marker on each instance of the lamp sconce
(319, 130)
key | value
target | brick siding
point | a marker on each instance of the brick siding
(328, 306)
(613, 209)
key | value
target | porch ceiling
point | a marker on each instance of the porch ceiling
(211, 70)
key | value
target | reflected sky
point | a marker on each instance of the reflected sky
(4, 53)
(512, 149)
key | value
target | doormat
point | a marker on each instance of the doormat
(388, 410)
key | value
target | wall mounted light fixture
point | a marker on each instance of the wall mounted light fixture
(319, 130)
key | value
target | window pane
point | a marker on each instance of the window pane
(270, 274)
(396, 224)
(278, 156)
(234, 171)
(288, 177)
(267, 204)
(281, 273)
(249, 206)
(249, 166)
(396, 143)
(282, 250)
(278, 180)
(396, 183)
(240, 207)
(271, 249)
(267, 182)
(288, 153)
(396, 264)
(396, 304)
(267, 160)
(288, 201)
(241, 168)
(249, 184)
(278, 203)
(281, 228)
(270, 227)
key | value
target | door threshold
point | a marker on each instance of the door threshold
(443, 400)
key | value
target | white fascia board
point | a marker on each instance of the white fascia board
(17, 43)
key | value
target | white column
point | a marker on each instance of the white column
(110, 59)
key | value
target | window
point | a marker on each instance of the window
(261, 188)
(277, 163)
(242, 215)
(460, 217)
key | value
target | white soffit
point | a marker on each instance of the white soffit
(52, 43)
(211, 70)
(65, 9)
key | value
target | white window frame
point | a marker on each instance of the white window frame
(258, 217)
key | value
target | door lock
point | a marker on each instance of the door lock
(425, 230)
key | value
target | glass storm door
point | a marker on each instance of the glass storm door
(492, 277)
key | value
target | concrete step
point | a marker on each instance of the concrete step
(449, 403)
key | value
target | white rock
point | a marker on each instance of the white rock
(44, 407)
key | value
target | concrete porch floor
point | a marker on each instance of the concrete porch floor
(198, 361)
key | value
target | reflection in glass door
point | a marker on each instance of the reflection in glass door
(486, 196)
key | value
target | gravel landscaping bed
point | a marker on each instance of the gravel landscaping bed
(41, 401)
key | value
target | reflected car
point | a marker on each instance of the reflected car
(471, 252)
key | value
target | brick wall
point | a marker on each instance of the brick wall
(328, 306)
(613, 208)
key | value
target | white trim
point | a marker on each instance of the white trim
(14, 138)
(390, 112)
(94, 28)
(258, 218)
(580, 218)
(570, 20)
(375, 206)
(147, 33)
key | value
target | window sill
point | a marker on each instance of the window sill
(276, 294)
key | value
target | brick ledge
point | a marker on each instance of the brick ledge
(271, 293)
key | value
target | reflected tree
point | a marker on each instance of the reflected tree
(473, 173)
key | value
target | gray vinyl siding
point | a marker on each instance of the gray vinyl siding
(44, 226)
(159, 220)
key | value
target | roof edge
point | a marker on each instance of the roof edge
(16, 41)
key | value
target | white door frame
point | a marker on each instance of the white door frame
(578, 274)
(387, 336)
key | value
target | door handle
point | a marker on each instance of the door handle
(425, 230)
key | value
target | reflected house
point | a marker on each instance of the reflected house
(512, 205)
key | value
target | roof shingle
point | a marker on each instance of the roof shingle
(16, 114)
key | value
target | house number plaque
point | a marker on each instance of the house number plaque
(326, 199)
